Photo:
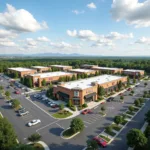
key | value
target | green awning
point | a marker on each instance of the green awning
(90, 95)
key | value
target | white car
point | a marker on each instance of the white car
(34, 122)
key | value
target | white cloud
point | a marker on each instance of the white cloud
(143, 40)
(100, 40)
(72, 33)
(91, 6)
(43, 39)
(77, 12)
(132, 11)
(31, 42)
(7, 34)
(64, 45)
(6, 42)
(117, 36)
(20, 20)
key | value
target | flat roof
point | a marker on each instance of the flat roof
(106, 68)
(86, 83)
(82, 70)
(39, 67)
(60, 66)
(20, 69)
(133, 70)
(51, 74)
(88, 65)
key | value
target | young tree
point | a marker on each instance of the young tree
(108, 129)
(15, 103)
(16, 75)
(131, 108)
(147, 117)
(7, 135)
(101, 91)
(147, 131)
(1, 88)
(118, 119)
(76, 125)
(137, 102)
(73, 78)
(70, 103)
(119, 84)
(44, 82)
(145, 84)
(22, 80)
(92, 145)
(7, 93)
(30, 84)
(141, 100)
(134, 80)
(61, 106)
(103, 109)
(135, 138)
(34, 137)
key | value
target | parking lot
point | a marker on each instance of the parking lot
(51, 128)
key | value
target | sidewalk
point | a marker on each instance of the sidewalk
(44, 145)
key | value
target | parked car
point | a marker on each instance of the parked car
(54, 105)
(34, 122)
(23, 112)
(17, 92)
(110, 99)
(20, 109)
(129, 89)
(100, 141)
(86, 111)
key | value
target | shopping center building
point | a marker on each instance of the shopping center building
(61, 67)
(85, 90)
(21, 71)
(48, 77)
(133, 72)
(41, 68)
(83, 71)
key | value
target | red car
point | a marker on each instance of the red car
(121, 94)
(86, 111)
(55, 106)
(17, 92)
(100, 141)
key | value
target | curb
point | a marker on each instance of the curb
(61, 135)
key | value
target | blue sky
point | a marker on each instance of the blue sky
(97, 27)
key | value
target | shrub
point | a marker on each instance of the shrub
(84, 105)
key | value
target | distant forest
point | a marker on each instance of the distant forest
(126, 62)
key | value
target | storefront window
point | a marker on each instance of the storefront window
(76, 93)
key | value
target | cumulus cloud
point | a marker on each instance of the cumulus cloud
(63, 45)
(43, 39)
(132, 11)
(77, 12)
(7, 34)
(7, 42)
(20, 20)
(31, 42)
(72, 33)
(143, 40)
(91, 5)
(99, 40)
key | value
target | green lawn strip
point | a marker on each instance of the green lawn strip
(105, 138)
(62, 115)
(124, 122)
(136, 109)
(67, 133)
(116, 127)
(130, 113)
(128, 116)
(110, 133)
(38, 146)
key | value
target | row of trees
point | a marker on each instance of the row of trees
(27, 81)
(126, 63)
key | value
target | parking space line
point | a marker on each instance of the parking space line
(59, 125)
(86, 122)
(40, 108)
(46, 125)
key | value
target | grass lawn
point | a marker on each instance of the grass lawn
(110, 133)
(116, 127)
(67, 133)
(130, 113)
(37, 146)
(129, 116)
(105, 138)
(63, 114)
(124, 122)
